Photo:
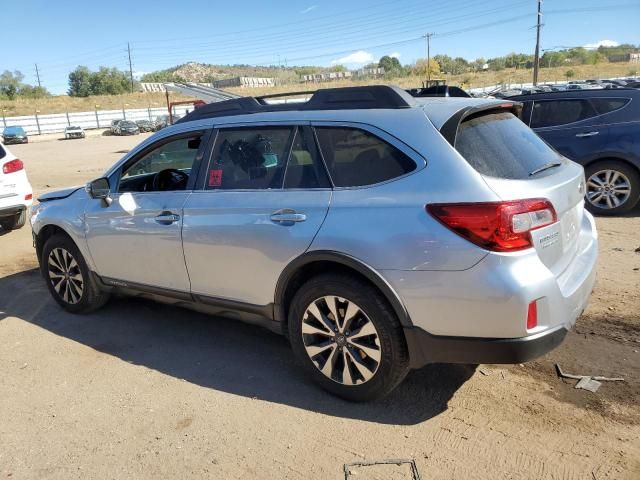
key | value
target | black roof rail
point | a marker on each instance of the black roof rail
(347, 98)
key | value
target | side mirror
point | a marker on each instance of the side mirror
(99, 189)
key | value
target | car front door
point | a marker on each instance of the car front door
(264, 196)
(135, 238)
(571, 126)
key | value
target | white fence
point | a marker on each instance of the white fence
(56, 122)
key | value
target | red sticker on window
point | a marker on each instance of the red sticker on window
(215, 178)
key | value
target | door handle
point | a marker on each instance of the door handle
(167, 218)
(287, 216)
(587, 134)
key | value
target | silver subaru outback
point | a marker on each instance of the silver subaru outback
(377, 231)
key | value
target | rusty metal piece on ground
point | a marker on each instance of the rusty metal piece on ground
(350, 469)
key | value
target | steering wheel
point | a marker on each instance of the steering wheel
(169, 179)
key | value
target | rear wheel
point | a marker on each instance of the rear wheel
(15, 222)
(613, 187)
(347, 337)
(68, 278)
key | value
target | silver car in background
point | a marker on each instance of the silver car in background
(377, 231)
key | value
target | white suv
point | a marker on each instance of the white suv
(15, 191)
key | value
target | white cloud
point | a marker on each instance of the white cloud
(356, 58)
(308, 9)
(395, 55)
(602, 43)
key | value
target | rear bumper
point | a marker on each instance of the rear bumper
(425, 348)
(12, 210)
(15, 140)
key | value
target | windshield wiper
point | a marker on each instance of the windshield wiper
(546, 166)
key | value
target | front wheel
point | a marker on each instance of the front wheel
(613, 187)
(347, 337)
(68, 278)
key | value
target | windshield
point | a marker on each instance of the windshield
(500, 145)
(14, 130)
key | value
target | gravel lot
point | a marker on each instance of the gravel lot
(142, 390)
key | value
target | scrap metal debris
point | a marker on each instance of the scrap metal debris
(352, 469)
(587, 382)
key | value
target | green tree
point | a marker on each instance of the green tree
(109, 81)
(106, 81)
(392, 66)
(11, 83)
(339, 68)
(420, 67)
(80, 82)
(30, 91)
(569, 74)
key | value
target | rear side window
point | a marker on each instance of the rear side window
(2, 152)
(249, 158)
(560, 112)
(500, 145)
(305, 169)
(356, 158)
(607, 105)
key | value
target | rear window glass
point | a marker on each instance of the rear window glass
(356, 158)
(560, 112)
(606, 105)
(2, 152)
(500, 145)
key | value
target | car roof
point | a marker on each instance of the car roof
(374, 104)
(599, 93)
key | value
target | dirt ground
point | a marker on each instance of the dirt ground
(142, 390)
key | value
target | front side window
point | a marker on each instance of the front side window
(164, 168)
(357, 158)
(249, 158)
(552, 113)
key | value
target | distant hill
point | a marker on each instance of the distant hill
(203, 72)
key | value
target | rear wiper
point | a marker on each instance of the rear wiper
(546, 166)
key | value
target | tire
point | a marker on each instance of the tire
(66, 291)
(624, 177)
(366, 378)
(15, 222)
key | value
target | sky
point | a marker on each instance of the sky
(59, 35)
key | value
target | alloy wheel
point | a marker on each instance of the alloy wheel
(341, 340)
(65, 275)
(608, 189)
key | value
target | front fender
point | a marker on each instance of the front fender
(68, 215)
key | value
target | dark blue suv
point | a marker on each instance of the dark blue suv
(600, 129)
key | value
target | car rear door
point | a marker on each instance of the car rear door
(264, 197)
(571, 126)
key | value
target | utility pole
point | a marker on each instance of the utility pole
(427, 37)
(536, 61)
(38, 76)
(130, 67)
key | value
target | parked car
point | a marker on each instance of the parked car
(599, 129)
(114, 125)
(377, 231)
(16, 194)
(145, 126)
(14, 134)
(73, 132)
(161, 122)
(126, 127)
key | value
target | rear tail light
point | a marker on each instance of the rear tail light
(28, 196)
(532, 315)
(12, 166)
(496, 226)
